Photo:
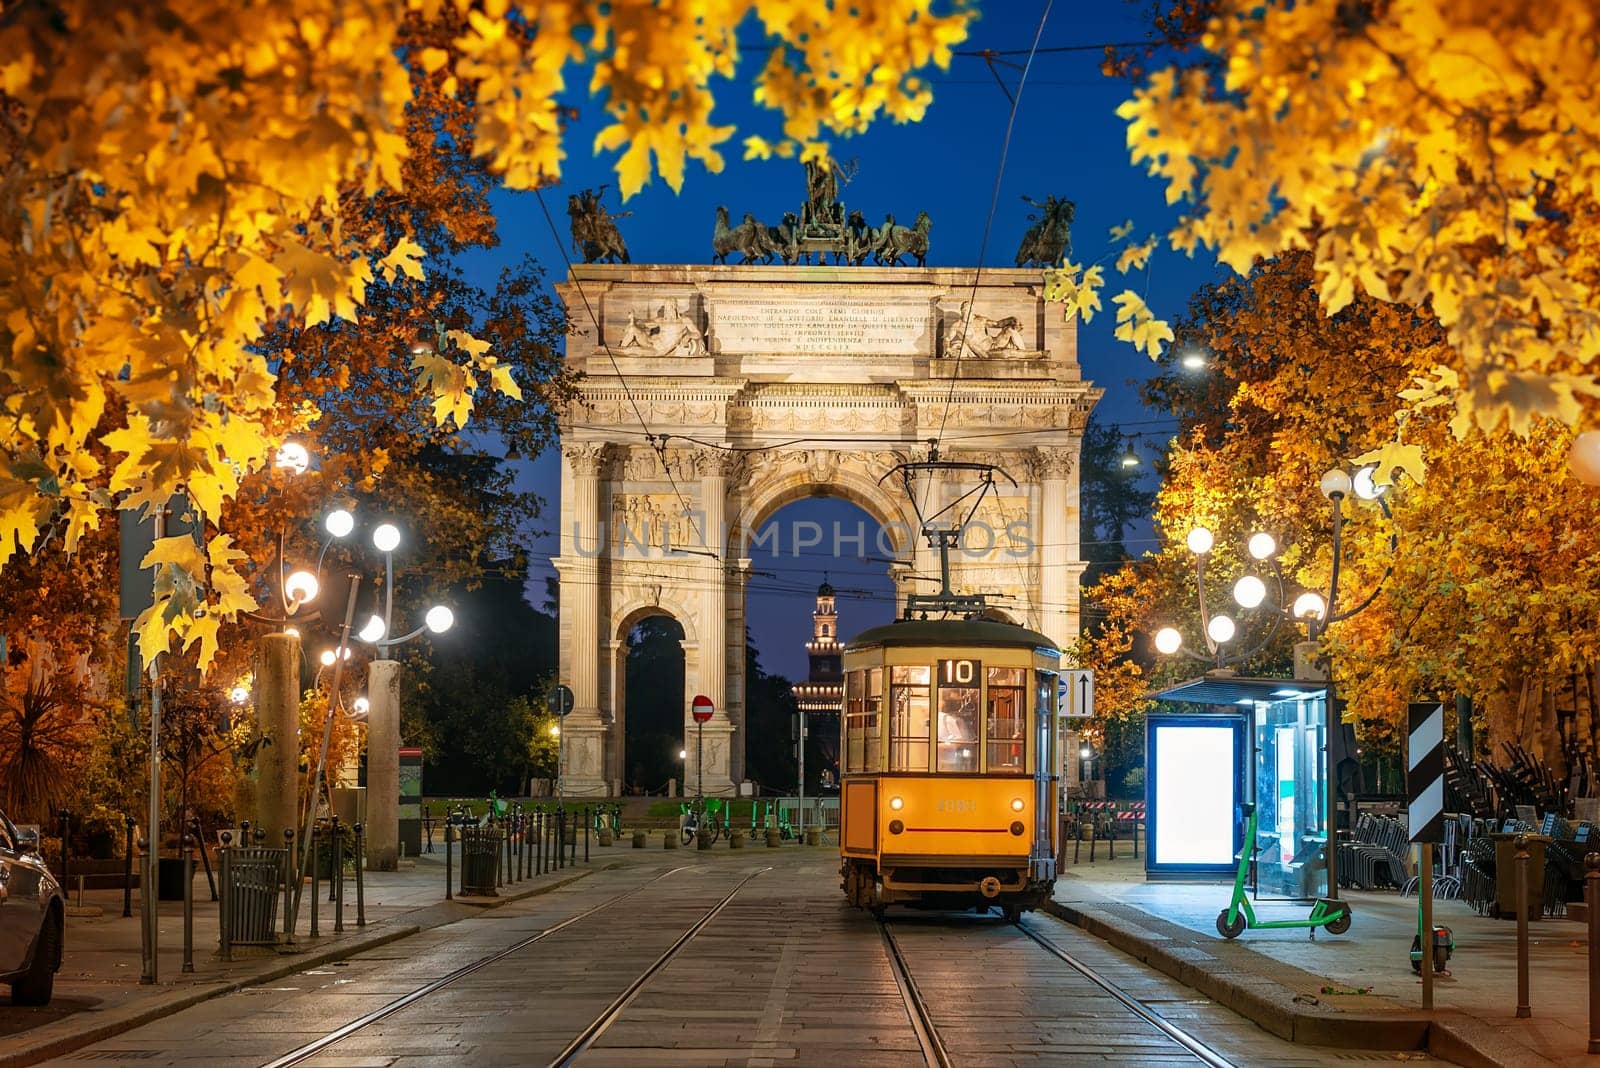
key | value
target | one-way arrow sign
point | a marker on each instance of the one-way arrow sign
(1077, 694)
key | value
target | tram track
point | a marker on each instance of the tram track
(935, 1050)
(587, 1037)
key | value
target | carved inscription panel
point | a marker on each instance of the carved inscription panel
(812, 326)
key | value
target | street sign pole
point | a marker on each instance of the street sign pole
(701, 708)
(561, 702)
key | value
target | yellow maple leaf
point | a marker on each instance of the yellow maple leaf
(1393, 456)
(405, 258)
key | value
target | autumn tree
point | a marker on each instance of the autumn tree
(175, 179)
(1442, 156)
(1484, 577)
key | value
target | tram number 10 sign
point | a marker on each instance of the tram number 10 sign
(959, 672)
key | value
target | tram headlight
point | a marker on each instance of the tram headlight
(895, 826)
(1017, 828)
(897, 803)
(1016, 804)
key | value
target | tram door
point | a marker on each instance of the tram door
(1044, 765)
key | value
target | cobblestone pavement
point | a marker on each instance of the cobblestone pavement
(784, 974)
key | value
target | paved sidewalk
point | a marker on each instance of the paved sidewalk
(1355, 989)
(98, 992)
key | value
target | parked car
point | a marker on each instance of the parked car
(32, 918)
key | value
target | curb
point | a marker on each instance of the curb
(1453, 1036)
(44, 1044)
(76, 1033)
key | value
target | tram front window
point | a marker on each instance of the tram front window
(958, 716)
(1006, 724)
(854, 724)
(874, 703)
(908, 717)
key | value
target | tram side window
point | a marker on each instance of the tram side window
(908, 717)
(854, 724)
(1006, 725)
(874, 704)
(958, 715)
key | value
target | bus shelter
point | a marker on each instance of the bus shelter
(1218, 742)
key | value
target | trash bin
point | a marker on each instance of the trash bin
(1505, 875)
(480, 860)
(256, 879)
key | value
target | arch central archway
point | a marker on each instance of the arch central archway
(812, 382)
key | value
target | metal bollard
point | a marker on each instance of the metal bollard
(1591, 895)
(127, 873)
(336, 878)
(1523, 1009)
(586, 835)
(573, 858)
(449, 876)
(188, 902)
(288, 884)
(361, 882)
(336, 857)
(224, 921)
(522, 847)
(316, 868)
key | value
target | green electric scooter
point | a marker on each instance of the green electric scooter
(1239, 915)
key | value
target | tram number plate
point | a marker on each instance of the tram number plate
(960, 672)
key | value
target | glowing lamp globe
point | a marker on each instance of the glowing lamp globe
(1221, 629)
(1366, 486)
(1168, 640)
(1309, 606)
(1262, 545)
(240, 695)
(361, 705)
(328, 657)
(1335, 484)
(1199, 541)
(300, 587)
(1249, 591)
(339, 523)
(439, 619)
(1584, 459)
(386, 537)
(373, 629)
(293, 457)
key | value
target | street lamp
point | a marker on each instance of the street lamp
(1315, 609)
(383, 717)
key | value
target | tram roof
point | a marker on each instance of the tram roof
(950, 632)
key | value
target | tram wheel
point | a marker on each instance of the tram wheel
(1230, 930)
(1013, 913)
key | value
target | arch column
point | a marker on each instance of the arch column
(583, 545)
(1056, 469)
(715, 466)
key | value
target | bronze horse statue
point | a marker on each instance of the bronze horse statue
(1050, 237)
(892, 241)
(594, 230)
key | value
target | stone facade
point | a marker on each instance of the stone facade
(742, 389)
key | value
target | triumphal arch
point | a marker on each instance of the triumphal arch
(713, 396)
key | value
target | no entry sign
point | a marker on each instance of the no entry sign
(702, 707)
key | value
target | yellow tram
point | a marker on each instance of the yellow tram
(948, 757)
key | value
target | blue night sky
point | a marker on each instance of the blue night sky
(1067, 141)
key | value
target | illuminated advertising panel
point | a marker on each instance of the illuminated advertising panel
(1194, 783)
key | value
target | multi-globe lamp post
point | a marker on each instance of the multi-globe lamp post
(383, 709)
(1316, 610)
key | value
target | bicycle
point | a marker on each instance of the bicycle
(702, 813)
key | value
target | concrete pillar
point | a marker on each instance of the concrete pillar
(1056, 467)
(278, 720)
(584, 544)
(383, 765)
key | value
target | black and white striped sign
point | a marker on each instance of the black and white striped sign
(1425, 772)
